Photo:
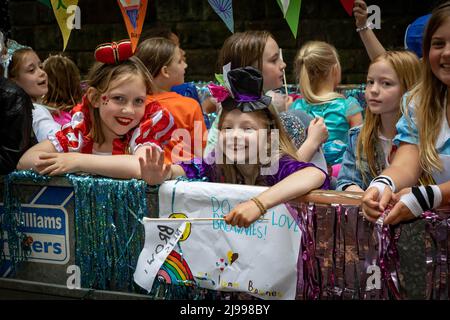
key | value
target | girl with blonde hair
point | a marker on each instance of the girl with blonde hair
(423, 136)
(319, 73)
(370, 148)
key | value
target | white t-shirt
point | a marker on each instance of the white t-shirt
(386, 144)
(43, 123)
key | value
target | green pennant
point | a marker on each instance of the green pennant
(292, 14)
(219, 79)
(46, 3)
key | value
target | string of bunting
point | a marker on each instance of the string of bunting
(134, 12)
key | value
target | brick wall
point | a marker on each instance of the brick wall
(202, 32)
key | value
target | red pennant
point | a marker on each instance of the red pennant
(348, 6)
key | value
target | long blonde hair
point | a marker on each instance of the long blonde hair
(270, 117)
(407, 68)
(429, 97)
(314, 62)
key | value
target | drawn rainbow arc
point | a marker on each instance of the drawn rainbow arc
(175, 270)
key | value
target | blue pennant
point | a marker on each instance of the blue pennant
(133, 15)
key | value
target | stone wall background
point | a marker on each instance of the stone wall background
(202, 32)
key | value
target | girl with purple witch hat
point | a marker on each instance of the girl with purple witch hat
(253, 149)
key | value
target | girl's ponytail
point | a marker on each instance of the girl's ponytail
(313, 64)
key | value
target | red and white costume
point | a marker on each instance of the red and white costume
(155, 128)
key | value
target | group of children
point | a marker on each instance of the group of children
(129, 123)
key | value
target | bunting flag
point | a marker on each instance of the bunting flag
(291, 12)
(348, 6)
(46, 3)
(133, 12)
(285, 6)
(62, 14)
(224, 8)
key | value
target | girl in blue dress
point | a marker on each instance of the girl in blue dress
(319, 73)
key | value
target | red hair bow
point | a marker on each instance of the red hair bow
(114, 53)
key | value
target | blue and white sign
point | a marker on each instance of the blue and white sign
(46, 225)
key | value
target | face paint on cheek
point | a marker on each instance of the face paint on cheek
(105, 100)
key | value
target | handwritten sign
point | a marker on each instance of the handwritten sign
(215, 255)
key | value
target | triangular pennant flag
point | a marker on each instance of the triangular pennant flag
(133, 15)
(285, 6)
(133, 12)
(61, 14)
(348, 6)
(224, 8)
(46, 3)
(292, 14)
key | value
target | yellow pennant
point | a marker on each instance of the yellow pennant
(63, 10)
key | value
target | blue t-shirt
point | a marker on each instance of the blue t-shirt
(335, 114)
(407, 132)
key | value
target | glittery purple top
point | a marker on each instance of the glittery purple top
(199, 169)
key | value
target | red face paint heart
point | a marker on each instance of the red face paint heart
(348, 6)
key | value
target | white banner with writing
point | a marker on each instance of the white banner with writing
(260, 260)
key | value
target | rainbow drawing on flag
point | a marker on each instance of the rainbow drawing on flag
(175, 270)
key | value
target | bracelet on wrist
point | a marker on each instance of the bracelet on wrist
(259, 204)
(367, 26)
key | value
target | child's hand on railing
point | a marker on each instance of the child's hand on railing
(400, 212)
(372, 206)
(55, 163)
(244, 214)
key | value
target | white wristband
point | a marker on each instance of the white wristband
(381, 182)
(380, 186)
(428, 200)
(411, 202)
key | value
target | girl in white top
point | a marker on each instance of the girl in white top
(25, 69)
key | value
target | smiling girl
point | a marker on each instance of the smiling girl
(423, 136)
(247, 123)
(112, 126)
(26, 70)
(258, 48)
